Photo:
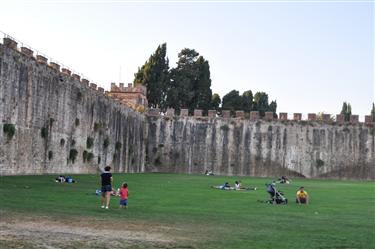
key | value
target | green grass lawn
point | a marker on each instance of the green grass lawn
(341, 214)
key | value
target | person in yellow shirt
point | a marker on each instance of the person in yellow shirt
(302, 197)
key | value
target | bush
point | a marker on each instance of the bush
(106, 143)
(76, 122)
(87, 156)
(84, 155)
(50, 155)
(9, 130)
(97, 126)
(51, 120)
(319, 163)
(73, 142)
(73, 155)
(118, 146)
(79, 96)
(90, 156)
(89, 142)
(44, 132)
(99, 159)
(62, 142)
(224, 127)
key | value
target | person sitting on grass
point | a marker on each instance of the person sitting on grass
(124, 193)
(302, 196)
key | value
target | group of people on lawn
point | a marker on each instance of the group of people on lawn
(302, 196)
(107, 190)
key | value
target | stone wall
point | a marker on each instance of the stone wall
(260, 148)
(55, 114)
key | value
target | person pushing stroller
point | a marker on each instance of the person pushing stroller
(276, 196)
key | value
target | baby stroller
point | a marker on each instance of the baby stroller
(277, 197)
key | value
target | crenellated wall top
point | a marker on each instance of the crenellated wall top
(255, 115)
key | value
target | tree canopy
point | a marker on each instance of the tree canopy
(346, 110)
(154, 74)
(188, 85)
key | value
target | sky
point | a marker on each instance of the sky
(308, 55)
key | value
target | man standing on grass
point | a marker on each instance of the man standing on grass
(106, 187)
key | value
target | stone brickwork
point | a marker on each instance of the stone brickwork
(240, 114)
(132, 96)
(254, 115)
(311, 117)
(198, 113)
(297, 116)
(354, 119)
(212, 113)
(283, 116)
(225, 113)
(340, 119)
(153, 143)
(268, 116)
(184, 112)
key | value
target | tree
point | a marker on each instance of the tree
(247, 101)
(232, 101)
(373, 112)
(261, 103)
(154, 75)
(190, 82)
(346, 110)
(273, 107)
(215, 101)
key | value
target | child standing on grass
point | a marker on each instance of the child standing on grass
(124, 193)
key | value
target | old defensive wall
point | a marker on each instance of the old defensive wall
(53, 121)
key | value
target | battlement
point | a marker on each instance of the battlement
(269, 116)
(132, 96)
(42, 59)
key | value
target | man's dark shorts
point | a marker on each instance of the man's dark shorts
(106, 188)
(302, 200)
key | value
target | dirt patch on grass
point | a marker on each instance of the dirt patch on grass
(44, 232)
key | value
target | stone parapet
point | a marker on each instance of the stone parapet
(41, 59)
(297, 116)
(184, 112)
(101, 90)
(198, 113)
(268, 116)
(368, 120)
(10, 43)
(254, 115)
(26, 51)
(283, 116)
(154, 112)
(211, 113)
(54, 66)
(66, 71)
(240, 114)
(93, 86)
(85, 82)
(76, 77)
(354, 119)
(340, 119)
(326, 118)
(225, 114)
(311, 116)
(170, 112)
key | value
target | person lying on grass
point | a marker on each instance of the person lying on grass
(238, 186)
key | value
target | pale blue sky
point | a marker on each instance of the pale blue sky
(308, 55)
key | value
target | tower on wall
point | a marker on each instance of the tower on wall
(132, 96)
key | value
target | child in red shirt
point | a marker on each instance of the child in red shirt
(124, 193)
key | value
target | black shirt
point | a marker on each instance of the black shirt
(106, 178)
